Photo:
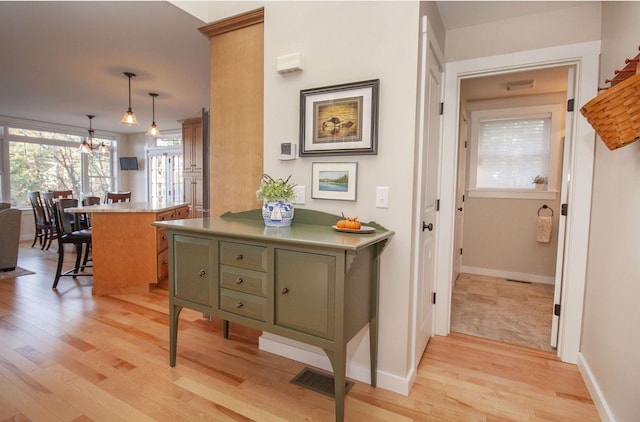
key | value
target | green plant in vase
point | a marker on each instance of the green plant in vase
(276, 195)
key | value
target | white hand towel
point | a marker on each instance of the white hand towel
(543, 229)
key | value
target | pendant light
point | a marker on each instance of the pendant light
(87, 147)
(153, 129)
(129, 117)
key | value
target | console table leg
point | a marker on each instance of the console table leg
(225, 328)
(339, 363)
(174, 313)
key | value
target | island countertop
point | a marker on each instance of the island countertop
(129, 207)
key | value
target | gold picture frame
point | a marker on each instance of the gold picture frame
(339, 119)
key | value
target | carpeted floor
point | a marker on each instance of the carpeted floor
(15, 273)
(499, 309)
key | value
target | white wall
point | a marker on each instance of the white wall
(575, 24)
(611, 326)
(348, 42)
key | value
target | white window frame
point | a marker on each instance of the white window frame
(6, 138)
(555, 151)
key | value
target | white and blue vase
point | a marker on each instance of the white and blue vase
(277, 213)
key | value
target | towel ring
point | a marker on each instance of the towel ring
(545, 207)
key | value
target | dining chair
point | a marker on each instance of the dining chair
(67, 235)
(43, 227)
(88, 201)
(112, 197)
(48, 199)
(63, 194)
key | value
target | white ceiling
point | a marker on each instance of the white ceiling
(64, 60)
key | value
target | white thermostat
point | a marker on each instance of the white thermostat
(287, 151)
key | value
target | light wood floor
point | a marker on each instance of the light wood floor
(68, 356)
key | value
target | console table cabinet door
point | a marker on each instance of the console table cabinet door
(194, 269)
(305, 292)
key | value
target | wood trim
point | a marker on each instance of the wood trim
(233, 23)
(190, 120)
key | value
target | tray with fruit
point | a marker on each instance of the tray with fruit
(352, 225)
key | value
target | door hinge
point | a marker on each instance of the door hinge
(564, 208)
(437, 205)
(433, 299)
(465, 144)
(462, 198)
(460, 251)
(441, 108)
(570, 104)
(556, 309)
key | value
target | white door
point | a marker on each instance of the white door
(564, 188)
(429, 169)
(461, 182)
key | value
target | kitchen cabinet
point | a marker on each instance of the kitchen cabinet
(193, 165)
(129, 254)
(306, 282)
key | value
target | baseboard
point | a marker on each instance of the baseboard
(316, 357)
(594, 389)
(510, 275)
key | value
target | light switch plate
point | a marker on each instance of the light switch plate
(300, 195)
(382, 197)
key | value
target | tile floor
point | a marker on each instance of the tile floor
(499, 309)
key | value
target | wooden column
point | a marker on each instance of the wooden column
(237, 98)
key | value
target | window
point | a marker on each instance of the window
(510, 147)
(165, 174)
(48, 160)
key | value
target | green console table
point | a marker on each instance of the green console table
(307, 282)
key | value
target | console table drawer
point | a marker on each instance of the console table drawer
(241, 280)
(238, 303)
(241, 255)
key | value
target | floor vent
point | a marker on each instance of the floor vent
(318, 382)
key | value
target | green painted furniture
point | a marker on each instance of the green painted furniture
(306, 282)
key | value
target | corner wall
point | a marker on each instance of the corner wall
(349, 42)
(611, 325)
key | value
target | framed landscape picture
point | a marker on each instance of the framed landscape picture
(334, 181)
(339, 119)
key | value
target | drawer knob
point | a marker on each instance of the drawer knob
(239, 305)
(239, 257)
(164, 237)
(284, 291)
(164, 262)
(202, 273)
(239, 280)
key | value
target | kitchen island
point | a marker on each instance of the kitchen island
(129, 254)
(308, 282)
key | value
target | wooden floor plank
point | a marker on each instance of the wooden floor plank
(67, 355)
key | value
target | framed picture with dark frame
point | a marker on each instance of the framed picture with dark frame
(334, 181)
(339, 119)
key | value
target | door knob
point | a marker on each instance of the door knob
(426, 226)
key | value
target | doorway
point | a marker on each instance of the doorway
(585, 57)
(512, 127)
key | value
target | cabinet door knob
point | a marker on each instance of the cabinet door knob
(284, 291)
(202, 273)
(164, 262)
(239, 280)
(164, 237)
(239, 305)
(239, 257)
